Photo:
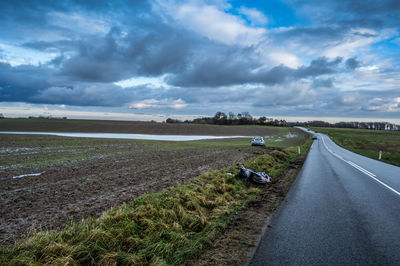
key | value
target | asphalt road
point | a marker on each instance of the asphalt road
(343, 209)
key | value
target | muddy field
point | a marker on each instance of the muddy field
(134, 127)
(84, 177)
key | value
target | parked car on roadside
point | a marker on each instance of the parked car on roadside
(258, 141)
(314, 137)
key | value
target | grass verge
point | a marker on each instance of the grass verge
(168, 227)
(237, 244)
(367, 142)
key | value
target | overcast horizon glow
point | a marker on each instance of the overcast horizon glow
(164, 58)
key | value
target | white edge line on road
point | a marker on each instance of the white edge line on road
(368, 173)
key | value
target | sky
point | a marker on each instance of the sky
(153, 59)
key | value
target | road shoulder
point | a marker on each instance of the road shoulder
(237, 245)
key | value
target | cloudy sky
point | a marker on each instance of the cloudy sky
(283, 58)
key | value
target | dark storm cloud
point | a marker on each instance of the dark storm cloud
(223, 71)
(61, 46)
(39, 85)
(22, 82)
(57, 61)
(90, 62)
(323, 83)
(17, 8)
(366, 35)
(386, 10)
(318, 67)
(352, 63)
(84, 94)
(352, 13)
(334, 21)
(151, 50)
(312, 34)
(113, 57)
(99, 61)
(27, 17)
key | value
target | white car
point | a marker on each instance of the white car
(258, 141)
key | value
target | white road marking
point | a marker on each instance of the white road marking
(368, 173)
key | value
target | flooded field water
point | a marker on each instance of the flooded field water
(127, 136)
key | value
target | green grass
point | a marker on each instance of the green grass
(368, 142)
(162, 228)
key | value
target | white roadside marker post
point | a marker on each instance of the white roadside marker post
(380, 155)
(298, 148)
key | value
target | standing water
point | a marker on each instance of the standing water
(127, 136)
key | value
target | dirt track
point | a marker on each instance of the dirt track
(113, 173)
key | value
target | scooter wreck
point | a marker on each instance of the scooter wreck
(260, 178)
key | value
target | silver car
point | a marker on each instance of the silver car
(258, 141)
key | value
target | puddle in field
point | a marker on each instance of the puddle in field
(126, 136)
(290, 135)
(10, 150)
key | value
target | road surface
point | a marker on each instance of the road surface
(343, 209)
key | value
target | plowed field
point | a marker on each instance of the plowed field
(84, 177)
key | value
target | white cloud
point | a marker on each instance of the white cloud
(158, 104)
(17, 55)
(384, 105)
(152, 82)
(213, 23)
(375, 74)
(350, 45)
(369, 68)
(280, 56)
(350, 99)
(83, 23)
(255, 16)
(356, 41)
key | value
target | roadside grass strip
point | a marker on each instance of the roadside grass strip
(164, 228)
(367, 142)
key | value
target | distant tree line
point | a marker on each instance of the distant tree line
(38, 117)
(244, 118)
(360, 125)
(221, 118)
(46, 117)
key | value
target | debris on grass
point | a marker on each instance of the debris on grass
(260, 178)
(36, 174)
